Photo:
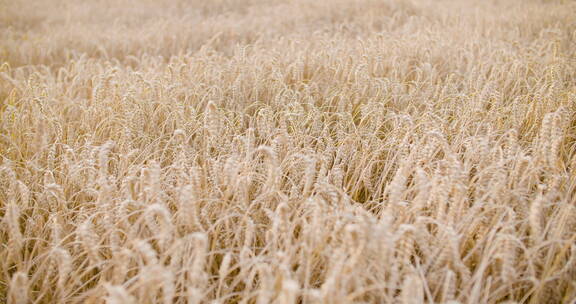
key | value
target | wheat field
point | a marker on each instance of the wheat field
(297, 151)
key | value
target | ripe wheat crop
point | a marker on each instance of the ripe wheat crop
(298, 151)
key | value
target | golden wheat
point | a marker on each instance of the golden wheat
(266, 151)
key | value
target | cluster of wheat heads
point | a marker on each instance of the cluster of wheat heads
(288, 152)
